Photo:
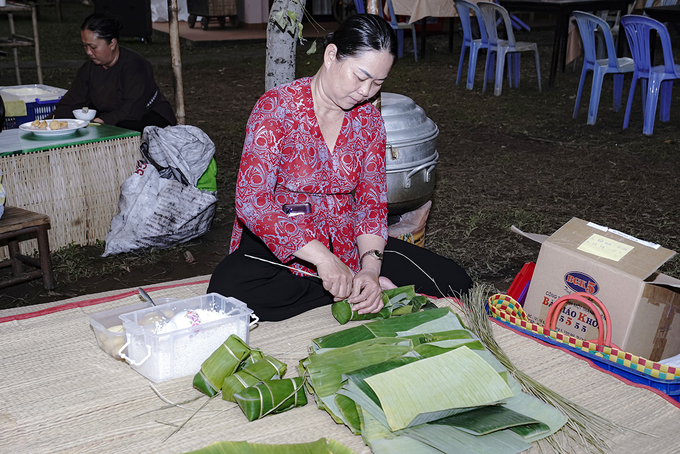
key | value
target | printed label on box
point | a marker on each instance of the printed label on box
(605, 247)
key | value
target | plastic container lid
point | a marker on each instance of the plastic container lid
(31, 93)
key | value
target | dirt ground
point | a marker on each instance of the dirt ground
(518, 159)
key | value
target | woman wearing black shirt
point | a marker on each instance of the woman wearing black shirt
(116, 81)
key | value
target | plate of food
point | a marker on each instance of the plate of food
(56, 127)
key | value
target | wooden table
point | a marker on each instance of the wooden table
(75, 180)
(562, 9)
(15, 40)
(664, 13)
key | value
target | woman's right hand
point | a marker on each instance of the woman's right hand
(336, 276)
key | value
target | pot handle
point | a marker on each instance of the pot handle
(394, 153)
(430, 167)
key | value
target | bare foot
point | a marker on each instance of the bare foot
(385, 283)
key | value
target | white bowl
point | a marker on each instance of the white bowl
(78, 113)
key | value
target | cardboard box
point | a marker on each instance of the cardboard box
(620, 271)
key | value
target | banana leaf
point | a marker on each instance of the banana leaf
(414, 402)
(484, 420)
(266, 369)
(348, 413)
(381, 441)
(326, 369)
(398, 301)
(343, 313)
(321, 446)
(255, 355)
(452, 440)
(431, 321)
(271, 396)
(222, 362)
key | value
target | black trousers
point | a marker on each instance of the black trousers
(274, 293)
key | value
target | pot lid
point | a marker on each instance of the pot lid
(405, 121)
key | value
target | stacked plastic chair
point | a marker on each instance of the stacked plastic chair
(463, 7)
(504, 48)
(399, 27)
(655, 79)
(589, 26)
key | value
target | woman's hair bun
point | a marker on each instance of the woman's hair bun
(328, 39)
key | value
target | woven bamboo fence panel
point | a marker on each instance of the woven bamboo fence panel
(222, 7)
(78, 187)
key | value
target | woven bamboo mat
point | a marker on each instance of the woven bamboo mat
(61, 393)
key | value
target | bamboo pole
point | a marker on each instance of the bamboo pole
(176, 61)
(373, 7)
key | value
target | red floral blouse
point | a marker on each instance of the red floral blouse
(286, 160)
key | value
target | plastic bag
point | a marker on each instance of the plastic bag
(158, 212)
(159, 204)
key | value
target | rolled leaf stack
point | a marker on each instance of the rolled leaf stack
(222, 362)
(265, 369)
(271, 396)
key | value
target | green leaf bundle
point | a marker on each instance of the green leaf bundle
(265, 369)
(271, 396)
(222, 362)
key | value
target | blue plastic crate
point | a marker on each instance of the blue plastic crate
(40, 101)
(669, 387)
(34, 111)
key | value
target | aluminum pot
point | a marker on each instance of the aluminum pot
(410, 156)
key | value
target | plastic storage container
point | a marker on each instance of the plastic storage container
(40, 101)
(111, 340)
(164, 356)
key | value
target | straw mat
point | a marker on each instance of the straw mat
(61, 393)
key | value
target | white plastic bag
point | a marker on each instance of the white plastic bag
(158, 212)
(182, 151)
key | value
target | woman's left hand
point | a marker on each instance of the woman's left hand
(366, 294)
(98, 120)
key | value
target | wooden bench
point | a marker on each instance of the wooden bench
(15, 223)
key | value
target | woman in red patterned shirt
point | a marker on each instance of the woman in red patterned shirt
(311, 189)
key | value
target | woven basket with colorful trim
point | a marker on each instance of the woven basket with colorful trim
(506, 309)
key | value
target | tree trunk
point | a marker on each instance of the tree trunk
(176, 62)
(281, 45)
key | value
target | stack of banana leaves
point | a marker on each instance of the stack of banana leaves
(424, 383)
(249, 378)
(398, 301)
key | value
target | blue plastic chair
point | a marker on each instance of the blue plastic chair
(588, 25)
(517, 23)
(463, 7)
(655, 79)
(399, 27)
(504, 49)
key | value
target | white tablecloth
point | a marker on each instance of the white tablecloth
(159, 10)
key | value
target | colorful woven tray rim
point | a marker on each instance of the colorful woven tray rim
(506, 309)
